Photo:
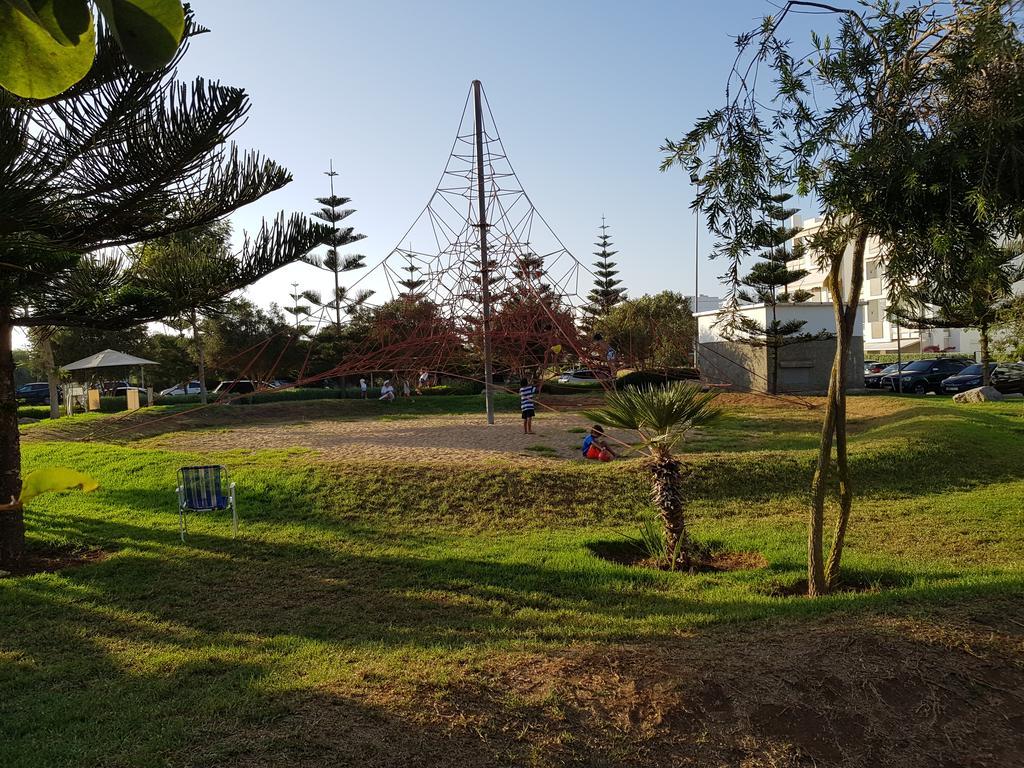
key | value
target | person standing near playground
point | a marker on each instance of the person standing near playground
(362, 388)
(526, 406)
(405, 387)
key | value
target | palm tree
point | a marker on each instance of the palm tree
(662, 416)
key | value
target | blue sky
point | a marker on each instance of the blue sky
(583, 93)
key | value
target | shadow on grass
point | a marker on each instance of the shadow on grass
(214, 635)
(334, 585)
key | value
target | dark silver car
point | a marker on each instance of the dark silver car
(1005, 377)
(36, 393)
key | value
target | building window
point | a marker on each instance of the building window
(874, 310)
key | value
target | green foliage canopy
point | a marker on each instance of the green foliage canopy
(651, 331)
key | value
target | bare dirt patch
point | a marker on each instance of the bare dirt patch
(442, 439)
(849, 692)
(53, 560)
(703, 560)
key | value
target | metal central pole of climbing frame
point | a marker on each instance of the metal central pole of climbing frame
(485, 287)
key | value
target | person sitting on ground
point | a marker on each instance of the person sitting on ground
(526, 406)
(387, 392)
(595, 446)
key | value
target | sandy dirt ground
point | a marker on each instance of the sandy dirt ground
(443, 439)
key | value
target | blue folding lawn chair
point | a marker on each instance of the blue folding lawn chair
(202, 489)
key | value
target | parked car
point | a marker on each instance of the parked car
(35, 393)
(583, 376)
(191, 388)
(1005, 377)
(236, 387)
(874, 380)
(923, 376)
(873, 366)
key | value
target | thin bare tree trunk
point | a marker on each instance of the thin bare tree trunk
(845, 491)
(819, 482)
(844, 342)
(200, 359)
(819, 485)
(46, 352)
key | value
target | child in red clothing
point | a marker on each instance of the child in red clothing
(595, 446)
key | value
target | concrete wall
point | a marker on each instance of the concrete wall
(816, 316)
(803, 367)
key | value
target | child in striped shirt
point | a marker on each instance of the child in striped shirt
(526, 393)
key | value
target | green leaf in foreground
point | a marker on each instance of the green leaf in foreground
(149, 31)
(35, 65)
(55, 479)
(65, 20)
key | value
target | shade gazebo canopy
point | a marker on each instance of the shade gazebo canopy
(108, 358)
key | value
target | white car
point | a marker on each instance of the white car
(192, 388)
(582, 376)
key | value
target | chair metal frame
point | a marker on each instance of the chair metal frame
(215, 494)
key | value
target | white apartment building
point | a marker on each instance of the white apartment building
(881, 335)
(705, 303)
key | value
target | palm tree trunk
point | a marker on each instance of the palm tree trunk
(200, 358)
(986, 376)
(667, 495)
(12, 524)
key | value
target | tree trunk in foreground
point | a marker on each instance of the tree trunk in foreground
(820, 579)
(200, 359)
(12, 525)
(667, 495)
(986, 376)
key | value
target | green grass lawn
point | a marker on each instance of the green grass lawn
(362, 607)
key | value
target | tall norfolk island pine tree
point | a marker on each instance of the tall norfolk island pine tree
(332, 213)
(606, 292)
(767, 283)
(123, 157)
(298, 310)
(414, 281)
